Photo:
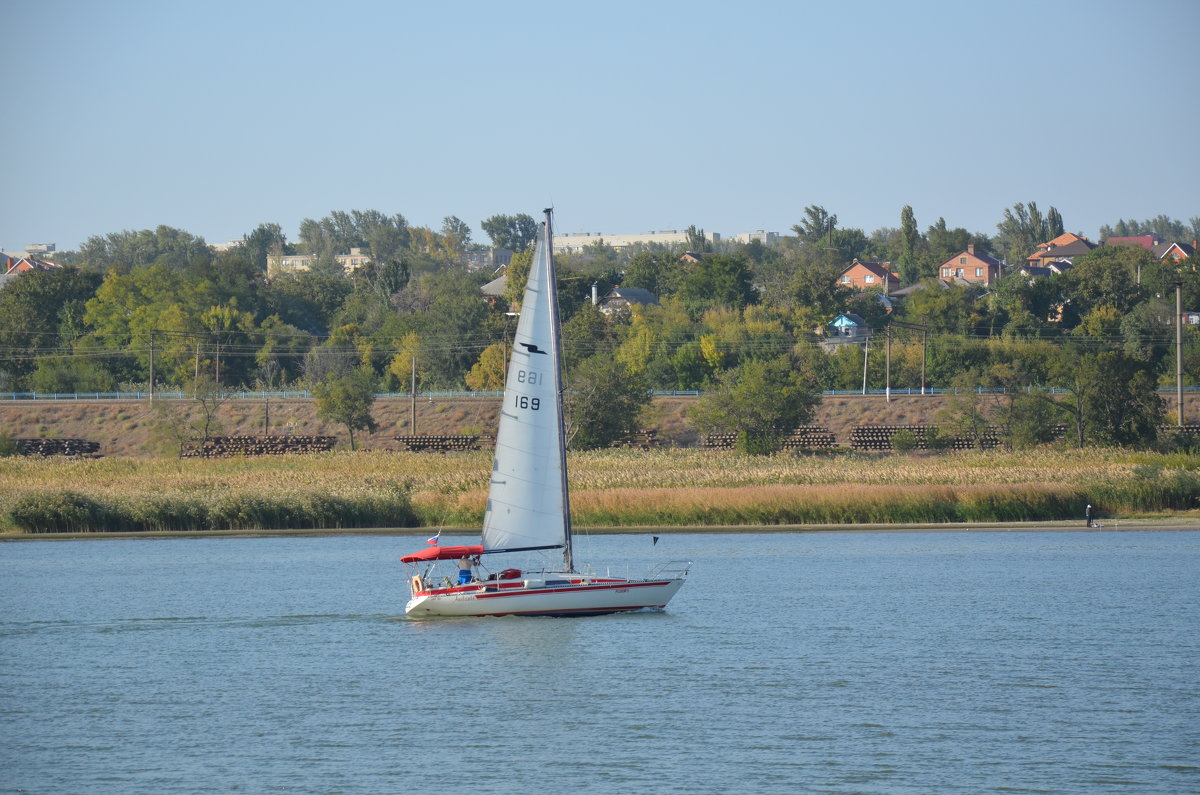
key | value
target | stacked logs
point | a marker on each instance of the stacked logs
(879, 438)
(718, 441)
(229, 446)
(641, 440)
(429, 443)
(80, 448)
(806, 437)
(810, 437)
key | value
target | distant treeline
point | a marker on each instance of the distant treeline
(162, 304)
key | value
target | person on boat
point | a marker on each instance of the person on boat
(464, 570)
(1088, 515)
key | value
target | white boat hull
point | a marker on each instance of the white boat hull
(575, 597)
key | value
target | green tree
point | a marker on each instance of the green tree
(1149, 331)
(1054, 224)
(602, 401)
(386, 237)
(208, 398)
(153, 308)
(697, 242)
(586, 334)
(265, 240)
(348, 400)
(70, 374)
(762, 401)
(39, 312)
(815, 285)
(1107, 276)
(282, 352)
(457, 235)
(1027, 416)
(718, 280)
(321, 243)
(513, 232)
(965, 411)
(911, 242)
(649, 271)
(1031, 419)
(1122, 407)
(488, 372)
(1022, 230)
(307, 300)
(453, 327)
(816, 226)
(124, 251)
(515, 276)
(944, 308)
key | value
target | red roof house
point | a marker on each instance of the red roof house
(865, 275)
(970, 266)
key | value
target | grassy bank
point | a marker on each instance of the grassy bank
(611, 488)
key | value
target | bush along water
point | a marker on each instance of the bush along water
(71, 512)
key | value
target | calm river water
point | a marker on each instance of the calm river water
(847, 662)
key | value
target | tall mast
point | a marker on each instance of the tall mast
(555, 340)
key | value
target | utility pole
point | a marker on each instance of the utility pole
(887, 383)
(924, 355)
(412, 411)
(152, 368)
(866, 351)
(1179, 350)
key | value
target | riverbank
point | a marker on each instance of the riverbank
(354, 492)
(1186, 522)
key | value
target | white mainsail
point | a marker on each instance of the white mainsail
(527, 505)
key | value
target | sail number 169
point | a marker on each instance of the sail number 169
(526, 402)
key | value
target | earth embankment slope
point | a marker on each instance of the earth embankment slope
(129, 428)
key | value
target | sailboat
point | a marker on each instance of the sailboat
(528, 505)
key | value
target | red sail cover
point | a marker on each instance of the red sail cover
(443, 553)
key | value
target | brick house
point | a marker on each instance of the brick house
(1063, 248)
(12, 264)
(1173, 251)
(865, 275)
(972, 267)
(1065, 239)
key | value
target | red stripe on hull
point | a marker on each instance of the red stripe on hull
(591, 588)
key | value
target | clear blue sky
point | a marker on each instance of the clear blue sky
(217, 116)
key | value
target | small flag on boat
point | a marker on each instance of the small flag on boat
(434, 540)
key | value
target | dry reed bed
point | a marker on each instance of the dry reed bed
(614, 487)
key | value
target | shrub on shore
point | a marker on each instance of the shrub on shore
(71, 512)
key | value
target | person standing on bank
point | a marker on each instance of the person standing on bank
(1088, 514)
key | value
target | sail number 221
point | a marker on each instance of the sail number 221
(524, 401)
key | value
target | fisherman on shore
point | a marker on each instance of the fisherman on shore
(1088, 514)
